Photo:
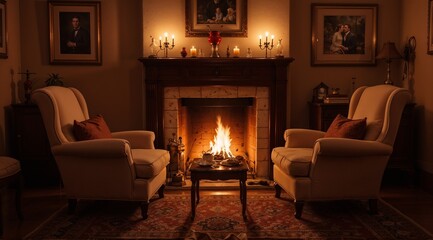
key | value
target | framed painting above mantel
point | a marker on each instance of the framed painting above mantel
(343, 34)
(229, 17)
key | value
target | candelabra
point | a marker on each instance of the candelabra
(266, 45)
(166, 44)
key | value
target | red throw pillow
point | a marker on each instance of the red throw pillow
(92, 128)
(342, 127)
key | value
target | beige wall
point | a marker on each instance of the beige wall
(114, 89)
(304, 77)
(9, 65)
(414, 23)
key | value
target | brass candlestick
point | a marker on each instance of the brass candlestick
(266, 45)
(166, 44)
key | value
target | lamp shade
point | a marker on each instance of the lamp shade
(389, 51)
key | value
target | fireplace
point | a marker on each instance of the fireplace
(185, 96)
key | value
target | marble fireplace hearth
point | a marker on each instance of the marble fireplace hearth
(169, 81)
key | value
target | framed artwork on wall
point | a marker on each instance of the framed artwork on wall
(229, 17)
(430, 28)
(3, 32)
(75, 32)
(343, 34)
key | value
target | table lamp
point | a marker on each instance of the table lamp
(388, 53)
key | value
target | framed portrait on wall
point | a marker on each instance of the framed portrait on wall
(75, 32)
(430, 28)
(3, 32)
(343, 34)
(229, 17)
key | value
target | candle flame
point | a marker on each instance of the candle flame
(222, 141)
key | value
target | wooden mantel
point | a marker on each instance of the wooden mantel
(183, 72)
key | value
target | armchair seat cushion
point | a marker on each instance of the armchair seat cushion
(293, 161)
(149, 162)
(8, 167)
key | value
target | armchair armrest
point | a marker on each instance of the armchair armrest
(301, 138)
(137, 139)
(345, 147)
(98, 148)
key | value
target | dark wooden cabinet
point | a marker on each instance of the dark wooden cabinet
(402, 158)
(28, 142)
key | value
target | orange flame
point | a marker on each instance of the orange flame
(222, 141)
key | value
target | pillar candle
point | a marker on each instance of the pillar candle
(193, 52)
(236, 51)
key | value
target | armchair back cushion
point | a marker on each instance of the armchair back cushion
(378, 104)
(67, 105)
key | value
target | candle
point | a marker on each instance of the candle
(272, 39)
(260, 40)
(172, 39)
(236, 51)
(160, 38)
(193, 51)
(165, 34)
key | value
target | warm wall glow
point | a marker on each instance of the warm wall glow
(222, 141)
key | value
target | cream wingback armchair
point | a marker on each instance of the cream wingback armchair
(125, 167)
(313, 168)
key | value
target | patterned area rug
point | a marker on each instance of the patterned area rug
(220, 215)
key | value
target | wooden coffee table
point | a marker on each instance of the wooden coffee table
(218, 173)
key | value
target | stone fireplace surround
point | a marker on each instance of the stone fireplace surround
(265, 79)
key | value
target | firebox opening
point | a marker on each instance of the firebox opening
(198, 123)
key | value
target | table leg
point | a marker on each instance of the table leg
(243, 193)
(193, 183)
(197, 191)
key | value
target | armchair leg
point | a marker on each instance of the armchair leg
(161, 191)
(299, 205)
(372, 204)
(277, 190)
(144, 208)
(72, 204)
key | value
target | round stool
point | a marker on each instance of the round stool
(10, 176)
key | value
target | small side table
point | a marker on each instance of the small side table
(218, 173)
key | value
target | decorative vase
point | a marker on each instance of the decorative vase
(183, 53)
(279, 49)
(214, 39)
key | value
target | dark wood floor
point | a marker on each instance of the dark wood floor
(40, 203)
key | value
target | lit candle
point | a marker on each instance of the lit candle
(193, 52)
(160, 38)
(272, 39)
(165, 34)
(266, 37)
(260, 40)
(172, 39)
(236, 51)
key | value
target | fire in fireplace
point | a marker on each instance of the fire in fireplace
(220, 146)
(220, 126)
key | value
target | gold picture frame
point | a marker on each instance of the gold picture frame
(75, 32)
(3, 31)
(230, 20)
(329, 43)
(430, 28)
